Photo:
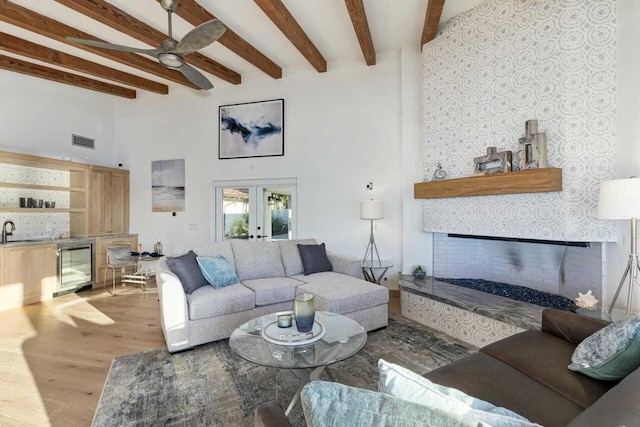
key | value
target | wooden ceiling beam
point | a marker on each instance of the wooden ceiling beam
(114, 17)
(282, 18)
(34, 70)
(40, 24)
(431, 20)
(31, 50)
(361, 27)
(192, 12)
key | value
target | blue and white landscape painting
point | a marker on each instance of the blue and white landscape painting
(252, 130)
(167, 185)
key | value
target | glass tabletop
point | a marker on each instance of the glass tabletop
(376, 264)
(343, 338)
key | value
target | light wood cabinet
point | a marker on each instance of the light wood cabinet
(98, 196)
(27, 274)
(100, 257)
(108, 201)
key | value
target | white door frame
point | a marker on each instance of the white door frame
(256, 206)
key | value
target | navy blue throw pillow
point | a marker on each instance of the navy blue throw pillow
(314, 259)
(188, 271)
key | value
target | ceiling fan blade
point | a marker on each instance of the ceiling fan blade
(201, 36)
(195, 77)
(105, 45)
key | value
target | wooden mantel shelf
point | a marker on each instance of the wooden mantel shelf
(528, 181)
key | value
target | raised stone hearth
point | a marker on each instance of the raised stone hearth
(475, 317)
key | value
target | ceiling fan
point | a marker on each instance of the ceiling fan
(171, 52)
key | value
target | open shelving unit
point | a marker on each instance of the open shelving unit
(77, 179)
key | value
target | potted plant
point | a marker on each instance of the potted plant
(419, 271)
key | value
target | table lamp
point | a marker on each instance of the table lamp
(620, 199)
(371, 210)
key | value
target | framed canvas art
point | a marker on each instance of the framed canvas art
(253, 129)
(167, 185)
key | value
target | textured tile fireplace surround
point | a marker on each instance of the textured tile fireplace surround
(487, 72)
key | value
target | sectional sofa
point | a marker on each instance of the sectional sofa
(271, 275)
(526, 373)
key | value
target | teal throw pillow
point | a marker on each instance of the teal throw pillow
(217, 271)
(328, 404)
(611, 353)
(405, 384)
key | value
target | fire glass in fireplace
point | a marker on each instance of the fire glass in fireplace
(75, 266)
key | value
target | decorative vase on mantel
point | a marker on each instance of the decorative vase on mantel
(304, 309)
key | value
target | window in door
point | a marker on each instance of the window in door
(255, 210)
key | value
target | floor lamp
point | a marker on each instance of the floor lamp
(371, 210)
(620, 199)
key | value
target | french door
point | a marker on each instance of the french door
(255, 209)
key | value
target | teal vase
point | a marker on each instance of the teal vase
(304, 308)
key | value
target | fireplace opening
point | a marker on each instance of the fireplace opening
(564, 269)
(515, 292)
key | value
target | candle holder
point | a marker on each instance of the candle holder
(284, 320)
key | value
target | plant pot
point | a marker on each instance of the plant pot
(419, 271)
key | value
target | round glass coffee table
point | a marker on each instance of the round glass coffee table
(343, 337)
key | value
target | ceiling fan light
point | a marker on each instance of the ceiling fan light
(171, 60)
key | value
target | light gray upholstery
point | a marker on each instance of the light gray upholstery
(257, 260)
(342, 294)
(273, 289)
(210, 314)
(208, 249)
(291, 255)
(208, 301)
(345, 265)
(221, 327)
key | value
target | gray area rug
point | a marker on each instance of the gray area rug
(211, 385)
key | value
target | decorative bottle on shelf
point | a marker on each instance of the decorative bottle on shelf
(157, 248)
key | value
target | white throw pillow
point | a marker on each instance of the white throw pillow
(405, 384)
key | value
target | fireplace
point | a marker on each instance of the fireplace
(563, 268)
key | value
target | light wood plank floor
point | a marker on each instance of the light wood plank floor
(55, 356)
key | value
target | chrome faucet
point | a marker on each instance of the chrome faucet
(6, 233)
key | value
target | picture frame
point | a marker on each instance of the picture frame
(167, 185)
(251, 129)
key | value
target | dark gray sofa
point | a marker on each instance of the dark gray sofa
(528, 374)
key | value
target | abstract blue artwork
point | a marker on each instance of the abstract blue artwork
(253, 129)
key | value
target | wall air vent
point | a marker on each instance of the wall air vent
(83, 141)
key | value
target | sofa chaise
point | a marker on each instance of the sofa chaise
(271, 275)
(527, 373)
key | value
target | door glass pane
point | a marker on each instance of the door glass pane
(235, 213)
(277, 213)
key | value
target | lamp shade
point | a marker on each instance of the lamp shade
(371, 209)
(619, 199)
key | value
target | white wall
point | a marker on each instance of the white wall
(628, 131)
(39, 117)
(343, 128)
(416, 245)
